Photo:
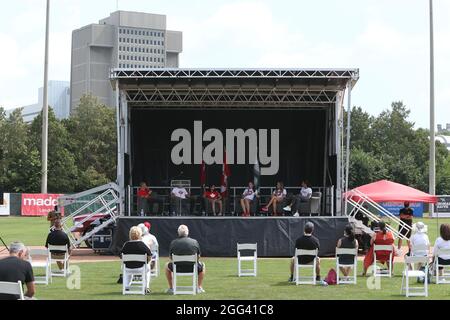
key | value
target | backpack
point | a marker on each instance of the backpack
(331, 278)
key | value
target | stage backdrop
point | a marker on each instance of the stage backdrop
(218, 236)
(301, 153)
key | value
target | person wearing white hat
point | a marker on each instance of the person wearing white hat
(419, 238)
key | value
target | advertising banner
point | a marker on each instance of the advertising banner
(5, 206)
(394, 208)
(442, 207)
(37, 204)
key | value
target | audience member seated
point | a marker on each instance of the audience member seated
(348, 241)
(213, 197)
(58, 237)
(419, 238)
(149, 240)
(303, 197)
(381, 237)
(136, 246)
(184, 245)
(16, 268)
(249, 197)
(443, 242)
(307, 242)
(179, 201)
(276, 202)
(52, 216)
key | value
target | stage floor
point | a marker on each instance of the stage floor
(218, 236)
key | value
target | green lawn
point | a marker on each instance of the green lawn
(98, 280)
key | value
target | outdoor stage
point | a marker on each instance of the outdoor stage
(218, 236)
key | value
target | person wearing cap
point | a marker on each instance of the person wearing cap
(406, 216)
(419, 239)
(149, 240)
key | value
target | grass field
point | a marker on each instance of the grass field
(98, 279)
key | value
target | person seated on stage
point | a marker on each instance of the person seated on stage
(180, 201)
(304, 196)
(16, 268)
(442, 242)
(307, 242)
(146, 198)
(212, 197)
(278, 196)
(149, 240)
(248, 196)
(136, 246)
(58, 237)
(348, 242)
(381, 237)
(184, 245)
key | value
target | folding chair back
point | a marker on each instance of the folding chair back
(354, 265)
(42, 263)
(65, 260)
(252, 258)
(445, 277)
(154, 272)
(134, 280)
(416, 274)
(376, 271)
(177, 259)
(12, 288)
(297, 266)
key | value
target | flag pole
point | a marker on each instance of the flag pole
(44, 149)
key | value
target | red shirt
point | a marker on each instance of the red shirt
(212, 195)
(143, 192)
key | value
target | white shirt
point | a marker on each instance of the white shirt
(180, 192)
(442, 244)
(419, 239)
(306, 192)
(151, 242)
(280, 193)
(249, 194)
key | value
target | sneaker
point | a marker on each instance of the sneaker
(200, 290)
(169, 291)
(287, 208)
(147, 291)
(264, 209)
(322, 283)
(291, 279)
(296, 214)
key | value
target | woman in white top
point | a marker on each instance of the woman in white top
(277, 196)
(443, 242)
(419, 239)
(248, 196)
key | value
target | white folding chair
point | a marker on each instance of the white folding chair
(253, 258)
(445, 278)
(135, 280)
(297, 266)
(41, 263)
(65, 260)
(12, 288)
(192, 259)
(377, 271)
(154, 272)
(347, 251)
(418, 291)
(418, 251)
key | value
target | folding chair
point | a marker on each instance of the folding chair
(298, 266)
(192, 259)
(135, 280)
(247, 247)
(43, 263)
(12, 288)
(155, 271)
(445, 278)
(417, 251)
(64, 260)
(421, 291)
(378, 272)
(354, 265)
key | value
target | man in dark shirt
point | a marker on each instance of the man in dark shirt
(58, 237)
(406, 215)
(307, 242)
(15, 268)
(184, 245)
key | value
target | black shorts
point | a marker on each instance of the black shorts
(443, 262)
(405, 232)
(186, 267)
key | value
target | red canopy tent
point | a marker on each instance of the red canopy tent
(388, 191)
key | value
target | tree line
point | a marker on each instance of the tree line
(82, 150)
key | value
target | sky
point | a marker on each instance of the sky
(388, 40)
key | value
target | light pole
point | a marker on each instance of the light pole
(432, 178)
(44, 149)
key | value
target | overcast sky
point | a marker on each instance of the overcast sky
(386, 39)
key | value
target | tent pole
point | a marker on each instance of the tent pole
(347, 151)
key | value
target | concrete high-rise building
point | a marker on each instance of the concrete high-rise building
(58, 100)
(123, 40)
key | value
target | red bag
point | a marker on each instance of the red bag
(331, 278)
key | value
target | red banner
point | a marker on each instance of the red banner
(38, 204)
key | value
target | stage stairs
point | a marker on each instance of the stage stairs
(91, 204)
(359, 201)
